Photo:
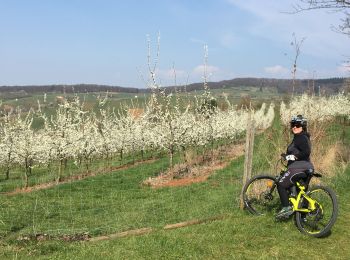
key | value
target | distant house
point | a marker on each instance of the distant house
(135, 112)
(59, 99)
(7, 109)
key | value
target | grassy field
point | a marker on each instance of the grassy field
(117, 202)
(239, 235)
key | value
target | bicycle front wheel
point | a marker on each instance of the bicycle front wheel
(318, 222)
(260, 195)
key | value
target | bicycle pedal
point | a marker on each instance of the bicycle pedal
(285, 215)
(283, 218)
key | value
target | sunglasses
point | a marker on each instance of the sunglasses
(295, 125)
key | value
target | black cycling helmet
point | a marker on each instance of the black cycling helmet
(298, 120)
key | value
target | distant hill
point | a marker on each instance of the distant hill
(327, 86)
(77, 88)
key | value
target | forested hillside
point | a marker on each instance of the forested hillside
(318, 86)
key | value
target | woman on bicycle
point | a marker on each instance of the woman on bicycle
(298, 156)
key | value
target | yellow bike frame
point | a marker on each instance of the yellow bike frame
(296, 201)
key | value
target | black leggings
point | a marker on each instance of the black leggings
(288, 180)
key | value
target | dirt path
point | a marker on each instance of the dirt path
(197, 172)
(86, 237)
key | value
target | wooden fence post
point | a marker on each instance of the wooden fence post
(248, 159)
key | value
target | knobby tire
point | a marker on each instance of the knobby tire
(319, 222)
(260, 195)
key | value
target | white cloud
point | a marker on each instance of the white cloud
(169, 73)
(168, 76)
(228, 40)
(195, 40)
(277, 70)
(303, 73)
(283, 72)
(265, 9)
(210, 70)
(344, 69)
(271, 21)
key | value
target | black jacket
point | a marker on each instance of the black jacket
(300, 147)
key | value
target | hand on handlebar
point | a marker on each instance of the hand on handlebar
(289, 157)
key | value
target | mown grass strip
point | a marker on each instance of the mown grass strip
(77, 177)
(134, 232)
(147, 230)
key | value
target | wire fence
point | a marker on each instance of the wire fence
(116, 201)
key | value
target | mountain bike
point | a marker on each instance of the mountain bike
(315, 210)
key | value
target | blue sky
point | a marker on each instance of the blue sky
(105, 41)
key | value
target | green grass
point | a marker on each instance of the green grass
(239, 235)
(114, 203)
(118, 201)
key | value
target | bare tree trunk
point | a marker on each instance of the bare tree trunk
(26, 181)
(8, 166)
(142, 155)
(171, 156)
(87, 166)
(65, 160)
(133, 153)
(58, 177)
(121, 156)
(184, 154)
(30, 167)
(212, 148)
(7, 172)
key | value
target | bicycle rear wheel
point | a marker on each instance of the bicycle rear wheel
(260, 195)
(318, 222)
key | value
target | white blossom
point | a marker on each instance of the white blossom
(315, 108)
